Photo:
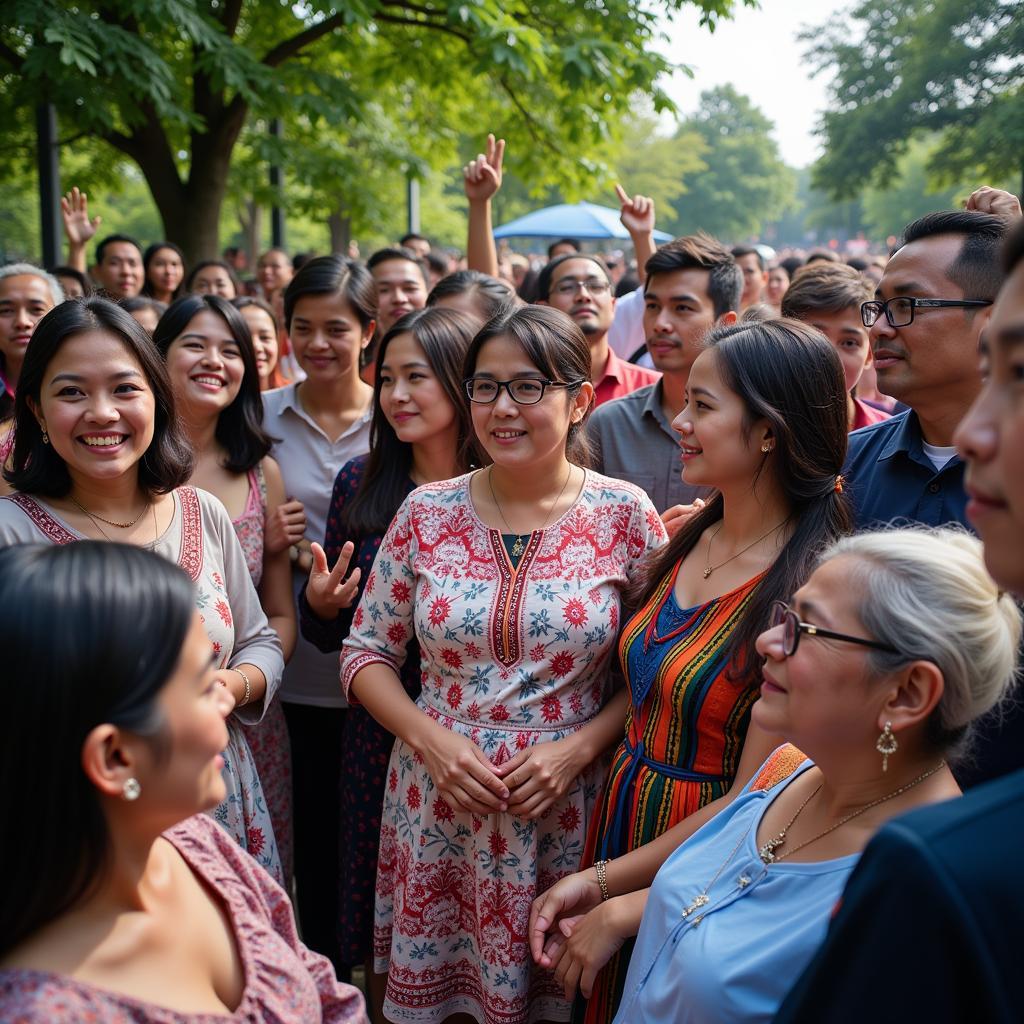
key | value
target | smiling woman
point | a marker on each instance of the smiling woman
(508, 582)
(149, 911)
(99, 455)
(214, 374)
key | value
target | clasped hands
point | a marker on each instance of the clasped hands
(574, 934)
(527, 785)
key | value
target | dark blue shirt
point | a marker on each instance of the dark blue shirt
(890, 479)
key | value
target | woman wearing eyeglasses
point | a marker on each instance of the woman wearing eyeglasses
(765, 427)
(510, 580)
(894, 646)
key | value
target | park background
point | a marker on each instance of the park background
(795, 122)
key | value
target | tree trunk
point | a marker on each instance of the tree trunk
(250, 217)
(190, 210)
(340, 227)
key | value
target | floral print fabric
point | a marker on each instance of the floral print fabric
(510, 658)
(284, 981)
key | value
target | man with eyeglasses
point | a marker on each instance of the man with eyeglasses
(925, 321)
(580, 286)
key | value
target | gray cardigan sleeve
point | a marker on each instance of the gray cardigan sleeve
(255, 642)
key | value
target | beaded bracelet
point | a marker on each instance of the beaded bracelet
(600, 868)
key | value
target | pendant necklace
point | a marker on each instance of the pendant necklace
(519, 547)
(709, 568)
(702, 899)
(767, 851)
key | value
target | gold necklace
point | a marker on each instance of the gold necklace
(95, 522)
(709, 568)
(767, 851)
(110, 522)
(518, 548)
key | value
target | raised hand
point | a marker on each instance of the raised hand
(481, 177)
(74, 208)
(328, 591)
(636, 213)
(463, 775)
(286, 525)
(994, 200)
(539, 775)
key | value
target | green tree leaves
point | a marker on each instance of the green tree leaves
(745, 184)
(902, 67)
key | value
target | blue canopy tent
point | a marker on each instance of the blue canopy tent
(570, 220)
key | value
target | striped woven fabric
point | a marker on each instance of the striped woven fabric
(687, 721)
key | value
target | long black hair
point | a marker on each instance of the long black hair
(35, 467)
(240, 426)
(789, 374)
(445, 336)
(121, 615)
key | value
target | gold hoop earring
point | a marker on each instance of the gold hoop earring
(886, 745)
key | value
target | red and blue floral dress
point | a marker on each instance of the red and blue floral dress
(511, 655)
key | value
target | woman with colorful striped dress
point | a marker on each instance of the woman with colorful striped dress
(764, 425)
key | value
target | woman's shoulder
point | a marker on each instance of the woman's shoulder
(441, 491)
(351, 474)
(206, 844)
(39, 997)
(24, 519)
(608, 488)
(780, 767)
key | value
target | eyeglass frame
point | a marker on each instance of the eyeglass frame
(507, 385)
(883, 307)
(788, 614)
(579, 283)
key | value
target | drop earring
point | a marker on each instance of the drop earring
(131, 789)
(46, 436)
(886, 745)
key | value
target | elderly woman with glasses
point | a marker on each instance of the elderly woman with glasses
(510, 580)
(896, 644)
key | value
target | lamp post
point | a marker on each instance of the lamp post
(48, 164)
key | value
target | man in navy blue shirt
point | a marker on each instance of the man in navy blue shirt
(929, 926)
(930, 307)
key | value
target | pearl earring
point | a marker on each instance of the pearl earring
(131, 789)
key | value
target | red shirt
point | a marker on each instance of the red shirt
(864, 415)
(621, 378)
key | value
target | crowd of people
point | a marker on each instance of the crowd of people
(535, 640)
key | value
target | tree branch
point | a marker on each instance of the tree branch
(390, 19)
(232, 12)
(290, 47)
(528, 119)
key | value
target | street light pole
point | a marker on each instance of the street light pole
(48, 163)
(276, 183)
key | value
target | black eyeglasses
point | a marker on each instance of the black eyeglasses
(899, 311)
(783, 615)
(522, 390)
